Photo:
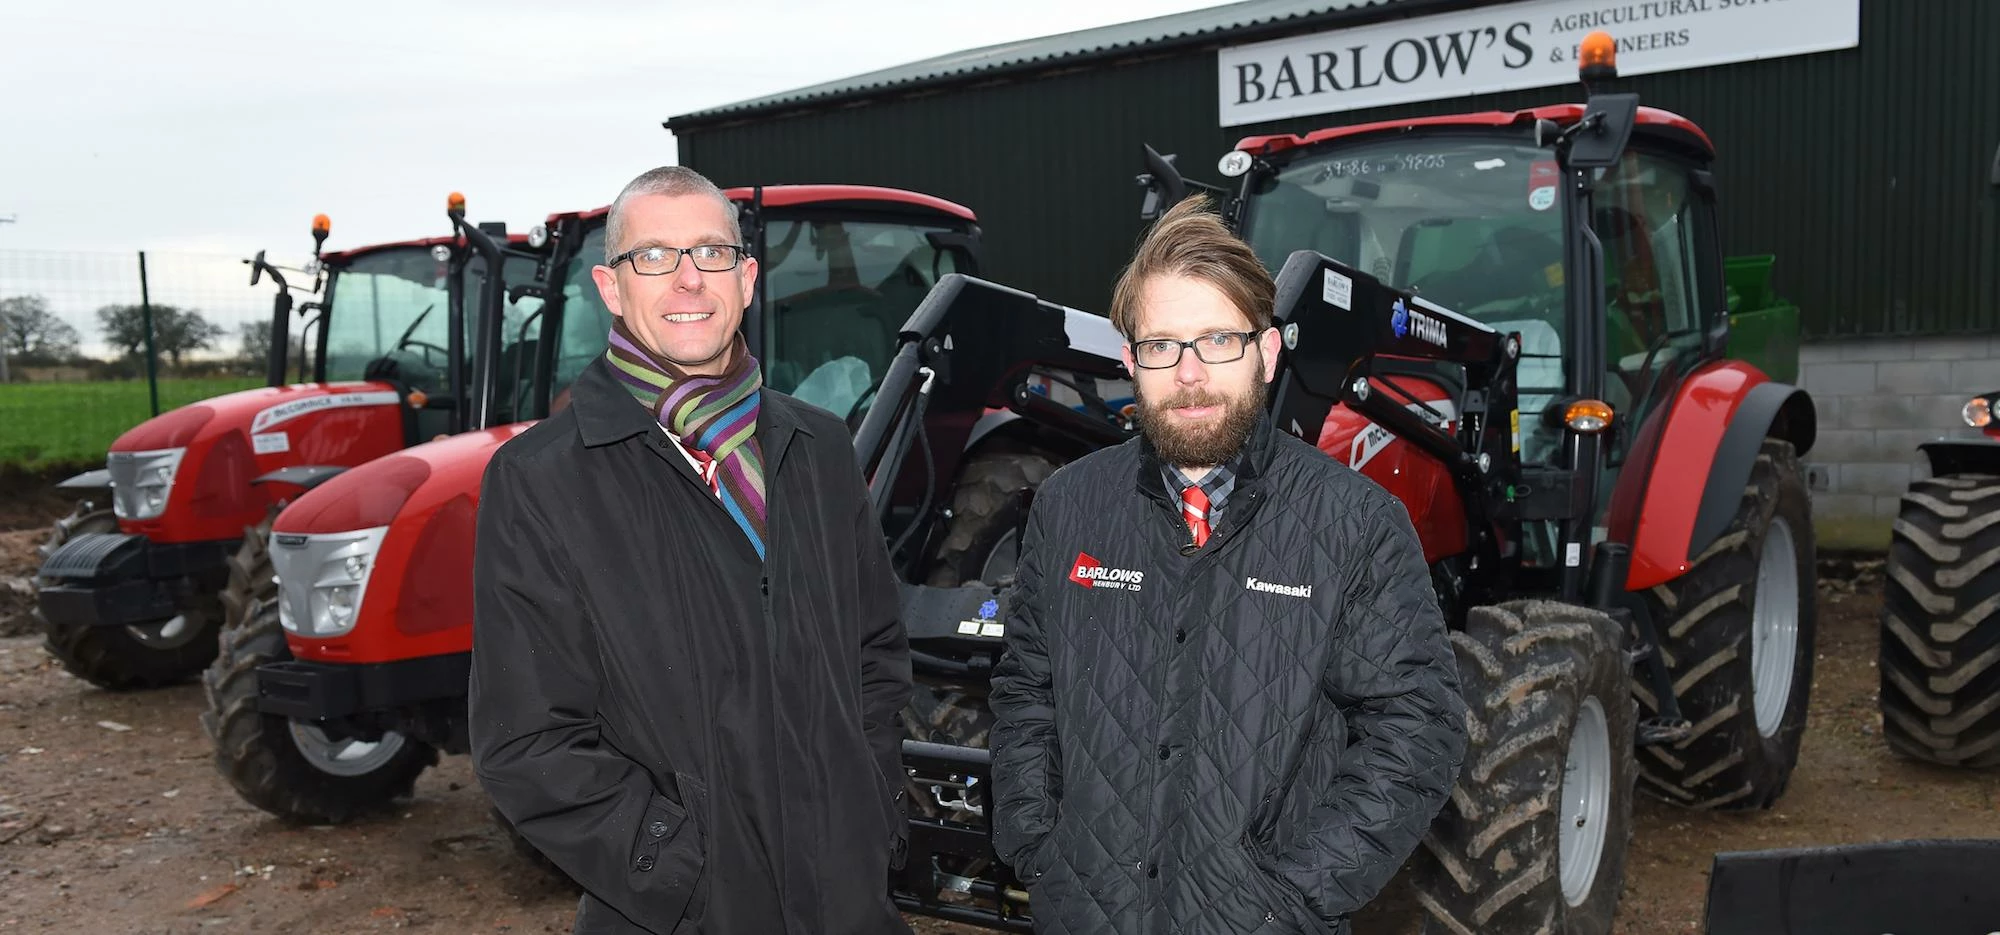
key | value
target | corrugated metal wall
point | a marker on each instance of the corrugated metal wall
(1866, 171)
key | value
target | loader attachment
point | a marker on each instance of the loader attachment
(1920, 887)
(972, 348)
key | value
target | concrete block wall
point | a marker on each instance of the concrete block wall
(1878, 398)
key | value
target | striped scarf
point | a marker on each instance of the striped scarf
(715, 416)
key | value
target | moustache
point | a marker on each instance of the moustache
(1191, 398)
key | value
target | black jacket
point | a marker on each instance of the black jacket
(703, 742)
(1248, 737)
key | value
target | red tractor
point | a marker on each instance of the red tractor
(133, 595)
(1517, 323)
(338, 691)
(1940, 629)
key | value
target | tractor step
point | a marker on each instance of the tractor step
(1657, 730)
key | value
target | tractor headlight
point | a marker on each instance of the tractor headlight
(322, 579)
(141, 481)
(1978, 413)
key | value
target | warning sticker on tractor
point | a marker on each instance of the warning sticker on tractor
(271, 443)
(1337, 291)
(1515, 416)
(1542, 180)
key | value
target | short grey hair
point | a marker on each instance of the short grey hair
(665, 180)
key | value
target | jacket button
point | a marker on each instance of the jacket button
(1164, 752)
(658, 828)
(1152, 871)
(645, 863)
(1180, 635)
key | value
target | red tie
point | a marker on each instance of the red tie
(707, 464)
(1194, 505)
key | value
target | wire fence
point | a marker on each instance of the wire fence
(93, 343)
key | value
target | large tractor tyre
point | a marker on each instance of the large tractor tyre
(1736, 634)
(1534, 835)
(252, 580)
(981, 543)
(531, 854)
(294, 770)
(1940, 652)
(150, 655)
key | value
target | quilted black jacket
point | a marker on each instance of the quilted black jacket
(1247, 737)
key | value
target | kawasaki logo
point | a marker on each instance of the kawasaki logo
(1289, 590)
(1091, 573)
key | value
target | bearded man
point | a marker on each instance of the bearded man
(1227, 701)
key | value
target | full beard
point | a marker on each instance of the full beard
(1186, 445)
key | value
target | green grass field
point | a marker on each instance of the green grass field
(56, 423)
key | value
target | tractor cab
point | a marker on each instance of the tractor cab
(840, 267)
(1611, 291)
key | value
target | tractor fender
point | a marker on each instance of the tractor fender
(1719, 419)
(306, 476)
(1962, 456)
(99, 479)
(991, 422)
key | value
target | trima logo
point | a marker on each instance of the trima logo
(1406, 321)
(1092, 573)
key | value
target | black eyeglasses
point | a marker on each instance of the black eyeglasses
(1216, 347)
(658, 261)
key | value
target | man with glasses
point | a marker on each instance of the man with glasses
(1227, 701)
(688, 663)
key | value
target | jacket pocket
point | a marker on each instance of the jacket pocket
(1037, 862)
(1285, 906)
(669, 854)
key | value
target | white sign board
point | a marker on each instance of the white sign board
(1513, 46)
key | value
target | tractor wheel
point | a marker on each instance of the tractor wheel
(252, 580)
(1534, 836)
(981, 543)
(1940, 653)
(149, 655)
(290, 769)
(529, 853)
(1736, 634)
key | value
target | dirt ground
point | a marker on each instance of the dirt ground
(113, 818)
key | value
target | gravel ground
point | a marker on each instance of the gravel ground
(113, 817)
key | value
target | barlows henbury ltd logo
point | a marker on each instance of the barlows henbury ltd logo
(1092, 573)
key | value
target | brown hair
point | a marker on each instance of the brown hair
(1191, 240)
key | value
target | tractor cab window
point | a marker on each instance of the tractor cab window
(390, 317)
(1470, 223)
(520, 338)
(586, 320)
(836, 292)
(1644, 214)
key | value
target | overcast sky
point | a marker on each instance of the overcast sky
(224, 125)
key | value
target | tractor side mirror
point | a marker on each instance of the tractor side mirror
(1605, 129)
(1163, 184)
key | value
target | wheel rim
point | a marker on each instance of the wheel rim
(344, 757)
(1774, 628)
(1586, 802)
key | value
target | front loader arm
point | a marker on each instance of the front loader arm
(1340, 325)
